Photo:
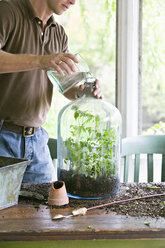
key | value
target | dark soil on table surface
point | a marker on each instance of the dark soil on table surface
(153, 207)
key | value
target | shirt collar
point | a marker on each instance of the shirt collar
(52, 21)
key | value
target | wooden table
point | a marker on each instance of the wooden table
(26, 222)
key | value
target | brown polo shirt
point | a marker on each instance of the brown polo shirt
(25, 97)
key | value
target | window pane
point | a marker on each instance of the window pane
(90, 26)
(153, 67)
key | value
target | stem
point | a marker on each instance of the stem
(127, 200)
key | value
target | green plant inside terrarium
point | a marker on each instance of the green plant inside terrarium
(91, 146)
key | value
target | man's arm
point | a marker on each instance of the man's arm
(17, 62)
(26, 62)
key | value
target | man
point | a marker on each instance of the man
(31, 42)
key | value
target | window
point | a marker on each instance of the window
(136, 83)
(153, 66)
(91, 28)
(128, 78)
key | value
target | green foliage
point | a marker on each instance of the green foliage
(158, 128)
(153, 60)
(147, 223)
(98, 26)
(90, 150)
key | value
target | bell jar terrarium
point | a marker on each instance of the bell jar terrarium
(89, 133)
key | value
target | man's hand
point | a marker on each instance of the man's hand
(97, 92)
(60, 62)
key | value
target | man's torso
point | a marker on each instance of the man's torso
(25, 97)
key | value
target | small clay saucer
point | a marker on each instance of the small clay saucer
(58, 195)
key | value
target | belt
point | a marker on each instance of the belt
(25, 131)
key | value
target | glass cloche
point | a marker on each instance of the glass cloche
(89, 133)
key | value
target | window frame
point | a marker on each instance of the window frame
(129, 65)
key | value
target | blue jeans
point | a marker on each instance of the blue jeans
(33, 148)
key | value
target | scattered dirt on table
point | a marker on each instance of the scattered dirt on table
(153, 207)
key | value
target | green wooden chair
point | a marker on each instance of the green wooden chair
(143, 144)
(52, 144)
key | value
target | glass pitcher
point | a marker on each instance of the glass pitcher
(66, 82)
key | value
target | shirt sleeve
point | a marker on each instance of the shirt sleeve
(65, 46)
(6, 22)
(64, 40)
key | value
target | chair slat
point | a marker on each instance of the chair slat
(150, 167)
(126, 168)
(136, 168)
(163, 168)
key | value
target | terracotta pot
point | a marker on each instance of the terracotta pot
(58, 195)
